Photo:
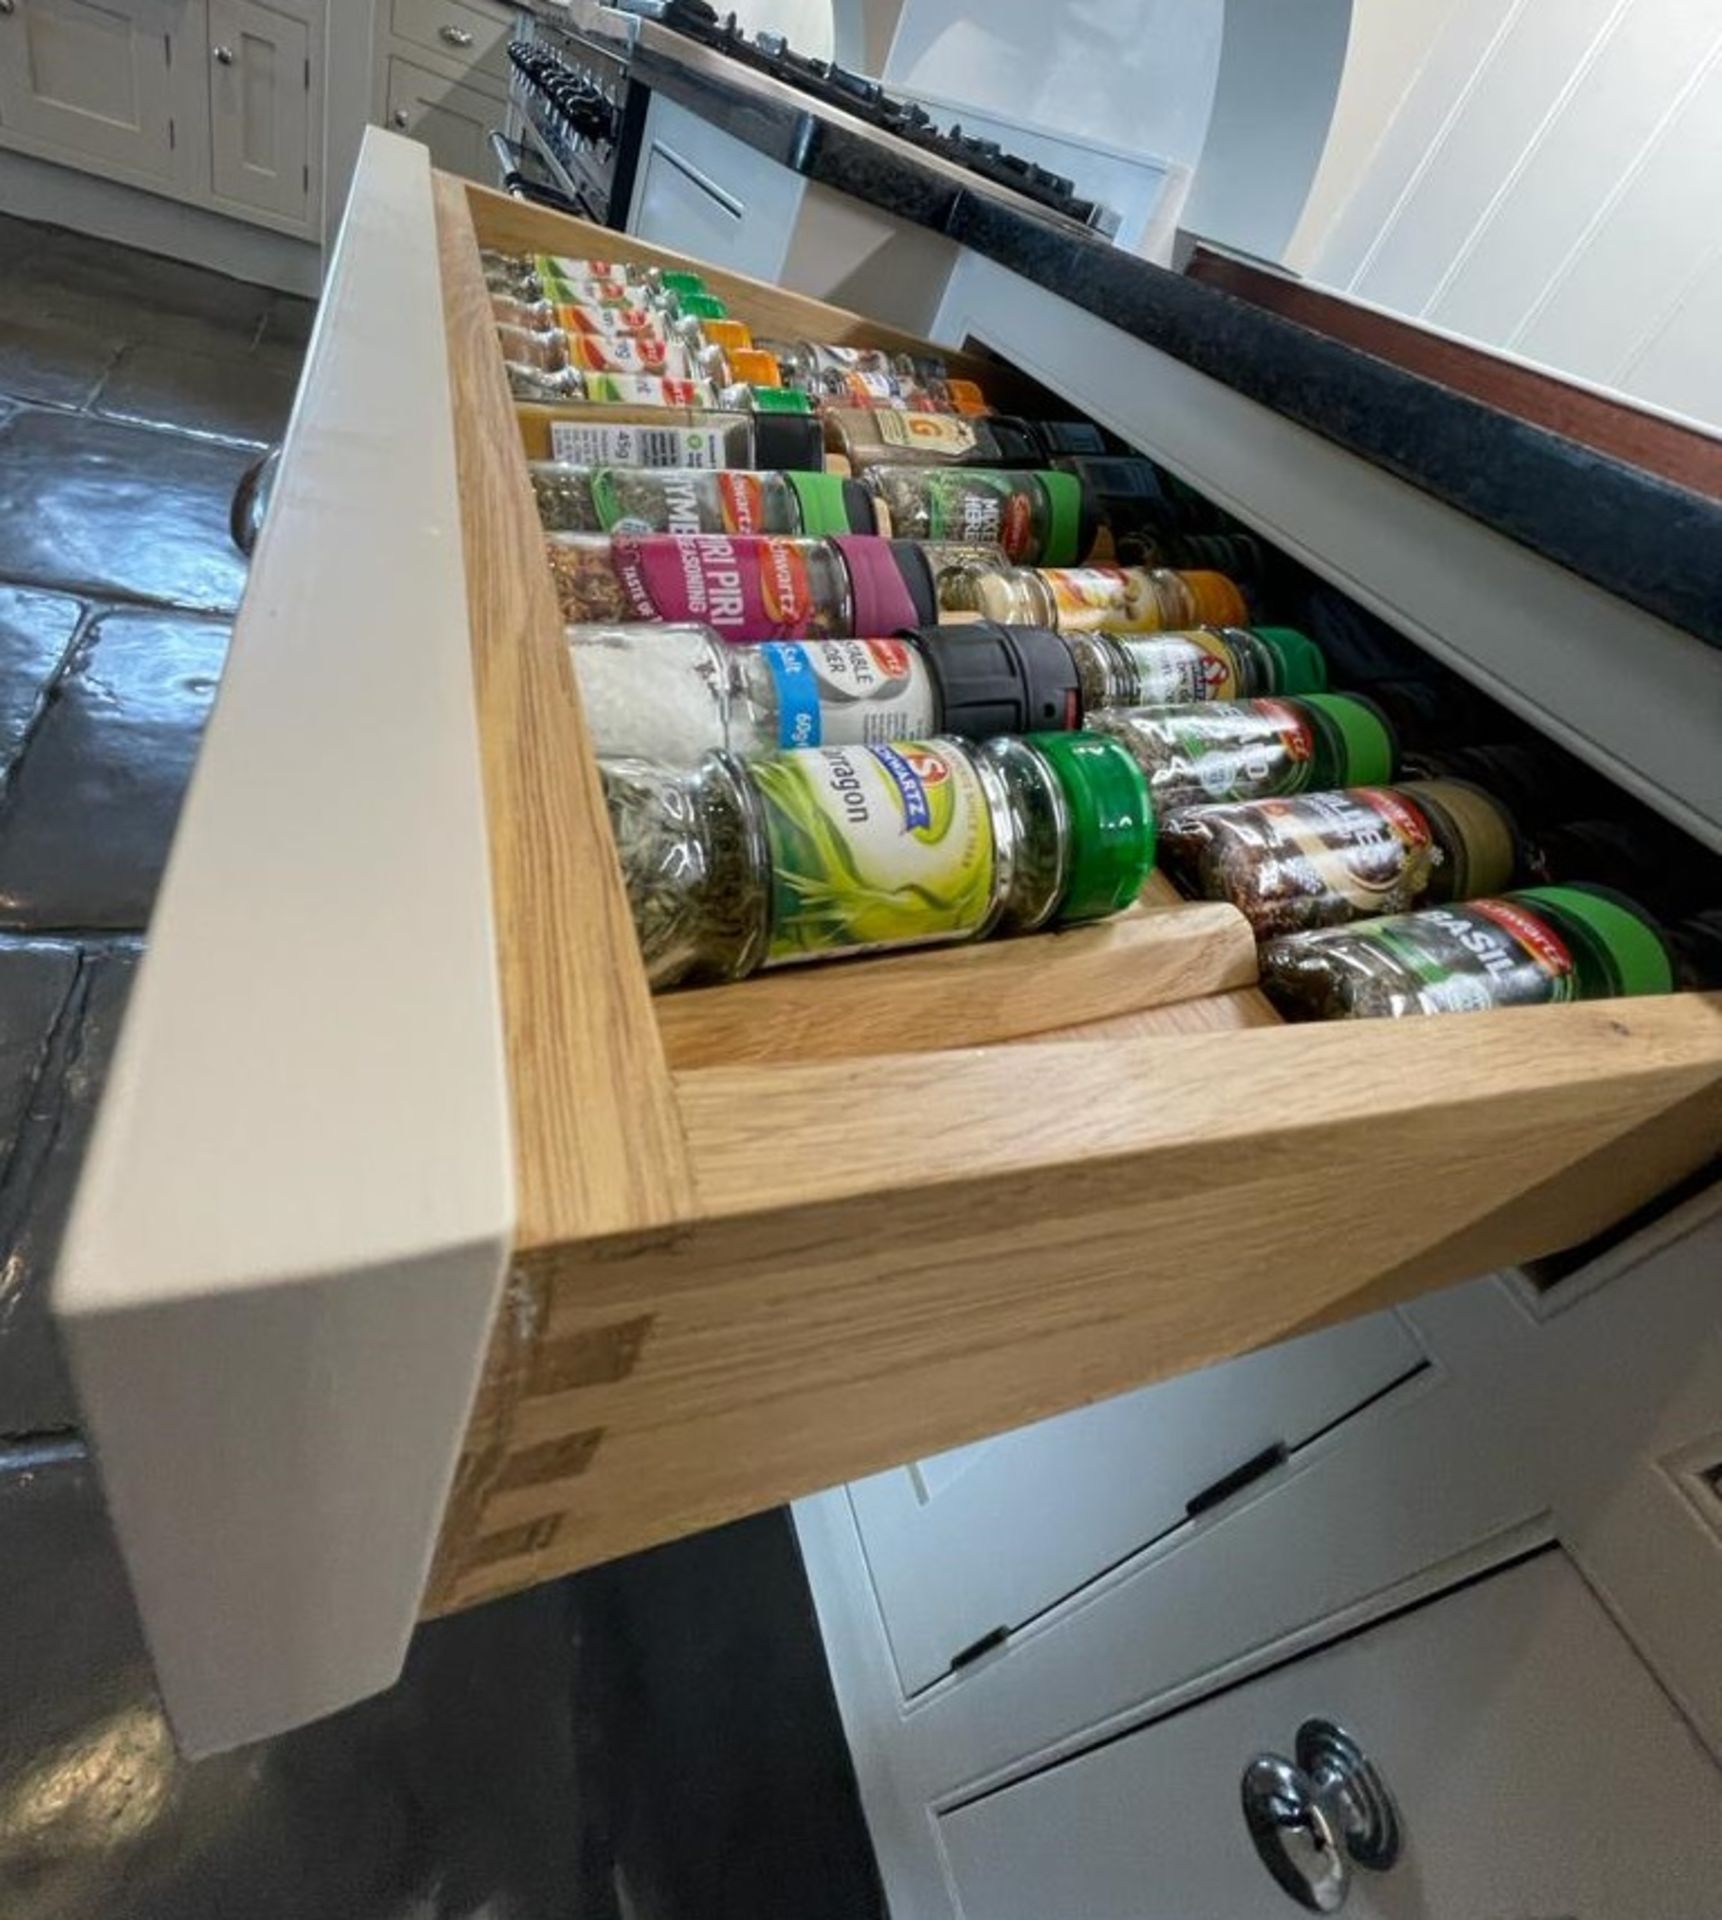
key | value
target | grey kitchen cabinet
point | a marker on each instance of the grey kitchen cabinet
(1533, 1763)
(453, 119)
(261, 123)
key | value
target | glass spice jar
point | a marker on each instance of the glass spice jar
(1540, 945)
(1075, 599)
(612, 499)
(837, 850)
(1253, 749)
(670, 702)
(887, 436)
(537, 365)
(745, 586)
(1031, 517)
(1324, 859)
(1203, 663)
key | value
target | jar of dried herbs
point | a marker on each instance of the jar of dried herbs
(608, 499)
(896, 436)
(1031, 517)
(1325, 859)
(1204, 663)
(1541, 945)
(1253, 749)
(537, 365)
(744, 586)
(836, 850)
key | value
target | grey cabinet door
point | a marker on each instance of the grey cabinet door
(453, 120)
(1539, 1770)
(92, 81)
(261, 107)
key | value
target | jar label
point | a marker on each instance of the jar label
(992, 509)
(881, 846)
(684, 500)
(939, 433)
(573, 316)
(1485, 953)
(1180, 669)
(743, 502)
(647, 390)
(616, 353)
(567, 280)
(1369, 846)
(747, 587)
(593, 443)
(1213, 752)
(849, 692)
(1087, 599)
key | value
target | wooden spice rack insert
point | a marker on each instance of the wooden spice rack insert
(775, 1235)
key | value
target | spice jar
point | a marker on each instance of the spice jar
(744, 586)
(1203, 663)
(1078, 599)
(582, 436)
(1030, 516)
(612, 499)
(835, 850)
(1082, 824)
(1253, 749)
(1526, 949)
(648, 390)
(1323, 859)
(537, 365)
(886, 436)
(669, 693)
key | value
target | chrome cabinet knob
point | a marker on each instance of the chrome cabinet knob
(399, 117)
(455, 36)
(1316, 1818)
(223, 56)
(8, 6)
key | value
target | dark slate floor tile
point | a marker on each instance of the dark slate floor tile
(453, 1795)
(288, 321)
(35, 631)
(85, 826)
(36, 979)
(19, 240)
(91, 504)
(243, 400)
(40, 1178)
(55, 362)
(109, 288)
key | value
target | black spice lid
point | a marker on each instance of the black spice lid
(992, 679)
(1067, 436)
(858, 508)
(917, 574)
(1013, 443)
(789, 442)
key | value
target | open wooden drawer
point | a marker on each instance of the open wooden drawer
(421, 1255)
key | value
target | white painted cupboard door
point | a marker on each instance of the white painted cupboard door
(93, 78)
(455, 122)
(1539, 1772)
(260, 100)
(990, 1535)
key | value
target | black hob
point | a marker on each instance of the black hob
(865, 99)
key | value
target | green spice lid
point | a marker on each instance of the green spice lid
(1362, 740)
(681, 281)
(1111, 822)
(1300, 665)
(1064, 499)
(825, 503)
(780, 400)
(702, 305)
(1625, 932)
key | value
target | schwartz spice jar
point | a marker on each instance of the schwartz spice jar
(1324, 859)
(1030, 517)
(744, 586)
(1540, 945)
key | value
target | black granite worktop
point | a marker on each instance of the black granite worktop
(1629, 531)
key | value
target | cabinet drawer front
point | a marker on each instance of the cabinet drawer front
(455, 122)
(475, 37)
(1537, 1765)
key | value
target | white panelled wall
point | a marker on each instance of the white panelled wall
(1542, 176)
